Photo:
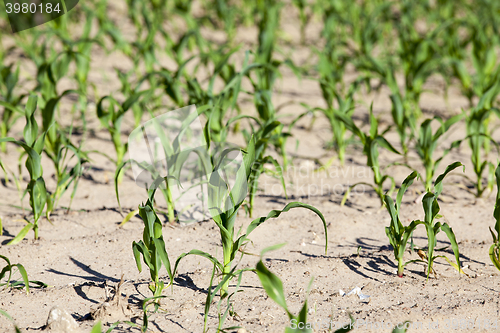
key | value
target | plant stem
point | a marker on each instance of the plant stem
(227, 249)
(170, 205)
(400, 267)
(35, 229)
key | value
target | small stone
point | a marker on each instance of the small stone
(241, 330)
(60, 321)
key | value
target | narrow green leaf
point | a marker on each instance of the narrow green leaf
(20, 236)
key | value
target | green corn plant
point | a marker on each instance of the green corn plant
(60, 150)
(265, 75)
(172, 151)
(418, 56)
(478, 137)
(219, 198)
(212, 291)
(8, 268)
(479, 134)
(11, 102)
(146, 304)
(485, 42)
(111, 118)
(34, 44)
(371, 142)
(33, 146)
(453, 50)
(306, 12)
(183, 10)
(482, 81)
(385, 70)
(359, 27)
(345, 102)
(25, 283)
(418, 53)
(152, 247)
(50, 72)
(224, 104)
(427, 142)
(397, 233)
(127, 90)
(220, 105)
(495, 247)
(217, 128)
(145, 50)
(431, 213)
(107, 28)
(227, 14)
(404, 119)
(171, 148)
(263, 135)
(80, 52)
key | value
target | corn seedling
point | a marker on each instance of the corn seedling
(478, 137)
(228, 16)
(80, 51)
(418, 54)
(484, 39)
(431, 211)
(358, 27)
(306, 13)
(33, 146)
(268, 71)
(7, 271)
(397, 233)
(9, 79)
(224, 204)
(427, 142)
(111, 118)
(146, 303)
(345, 106)
(211, 292)
(495, 247)
(51, 72)
(371, 141)
(403, 117)
(163, 148)
(418, 57)
(262, 136)
(57, 147)
(109, 29)
(152, 247)
(127, 90)
(34, 43)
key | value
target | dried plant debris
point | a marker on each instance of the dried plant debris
(114, 308)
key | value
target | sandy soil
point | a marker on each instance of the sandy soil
(84, 253)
